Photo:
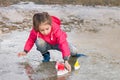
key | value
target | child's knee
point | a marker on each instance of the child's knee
(73, 49)
(41, 45)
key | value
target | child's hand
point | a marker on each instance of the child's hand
(21, 54)
(68, 66)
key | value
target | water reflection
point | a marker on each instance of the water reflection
(47, 71)
(44, 71)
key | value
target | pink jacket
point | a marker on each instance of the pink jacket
(56, 36)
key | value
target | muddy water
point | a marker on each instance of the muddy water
(102, 61)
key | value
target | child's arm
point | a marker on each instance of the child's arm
(63, 45)
(31, 40)
(29, 43)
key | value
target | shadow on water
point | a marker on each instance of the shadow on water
(44, 71)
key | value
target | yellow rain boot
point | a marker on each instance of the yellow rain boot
(76, 65)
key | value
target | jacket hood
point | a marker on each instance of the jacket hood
(56, 20)
(55, 24)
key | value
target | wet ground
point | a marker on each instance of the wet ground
(94, 31)
(102, 61)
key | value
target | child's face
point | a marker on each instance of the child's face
(45, 29)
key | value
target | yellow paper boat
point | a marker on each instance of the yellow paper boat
(76, 65)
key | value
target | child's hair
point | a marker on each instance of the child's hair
(41, 18)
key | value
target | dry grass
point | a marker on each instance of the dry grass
(78, 2)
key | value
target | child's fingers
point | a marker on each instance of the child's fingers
(68, 67)
(21, 54)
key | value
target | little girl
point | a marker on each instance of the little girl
(47, 34)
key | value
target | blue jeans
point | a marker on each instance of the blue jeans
(43, 47)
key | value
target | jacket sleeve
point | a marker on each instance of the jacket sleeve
(63, 44)
(30, 41)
